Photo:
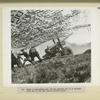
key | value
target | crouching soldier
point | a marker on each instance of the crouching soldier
(48, 53)
(19, 60)
(34, 53)
(26, 55)
(13, 61)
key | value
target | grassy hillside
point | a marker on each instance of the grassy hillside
(66, 69)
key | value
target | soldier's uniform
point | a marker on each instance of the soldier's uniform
(13, 60)
(34, 53)
(26, 55)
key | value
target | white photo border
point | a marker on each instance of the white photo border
(7, 49)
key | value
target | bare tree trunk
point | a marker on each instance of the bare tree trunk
(60, 43)
(53, 41)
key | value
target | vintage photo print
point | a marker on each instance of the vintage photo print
(49, 46)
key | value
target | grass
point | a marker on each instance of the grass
(66, 69)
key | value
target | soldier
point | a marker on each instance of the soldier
(26, 55)
(48, 52)
(19, 60)
(34, 53)
(13, 61)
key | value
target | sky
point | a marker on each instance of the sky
(81, 37)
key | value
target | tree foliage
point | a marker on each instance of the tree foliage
(33, 27)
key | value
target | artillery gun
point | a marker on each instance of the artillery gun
(58, 49)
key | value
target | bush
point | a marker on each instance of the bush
(66, 69)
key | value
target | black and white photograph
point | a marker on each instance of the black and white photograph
(50, 46)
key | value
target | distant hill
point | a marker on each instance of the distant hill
(78, 49)
(87, 51)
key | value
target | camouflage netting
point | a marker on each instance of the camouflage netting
(33, 27)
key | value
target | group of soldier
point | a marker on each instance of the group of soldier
(31, 55)
(50, 52)
(28, 57)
